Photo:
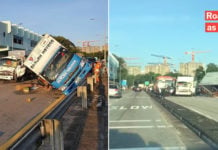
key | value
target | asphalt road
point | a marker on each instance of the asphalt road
(206, 106)
(136, 121)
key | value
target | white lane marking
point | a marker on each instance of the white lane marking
(139, 127)
(130, 121)
(146, 107)
(158, 120)
(130, 127)
(122, 107)
(134, 107)
(152, 148)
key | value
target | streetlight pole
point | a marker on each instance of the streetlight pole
(120, 75)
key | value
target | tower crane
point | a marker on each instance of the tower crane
(195, 52)
(164, 57)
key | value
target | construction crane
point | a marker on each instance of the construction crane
(195, 52)
(164, 57)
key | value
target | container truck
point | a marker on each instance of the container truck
(56, 65)
(185, 85)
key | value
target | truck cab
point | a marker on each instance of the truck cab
(11, 68)
(185, 85)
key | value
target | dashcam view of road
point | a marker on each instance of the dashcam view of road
(163, 75)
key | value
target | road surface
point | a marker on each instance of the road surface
(206, 106)
(136, 121)
(16, 112)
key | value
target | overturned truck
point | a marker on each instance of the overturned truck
(57, 66)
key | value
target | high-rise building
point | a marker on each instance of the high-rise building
(94, 49)
(189, 68)
(134, 70)
(157, 68)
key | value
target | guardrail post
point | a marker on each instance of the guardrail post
(82, 92)
(53, 129)
(90, 81)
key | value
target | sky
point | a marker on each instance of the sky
(76, 20)
(139, 28)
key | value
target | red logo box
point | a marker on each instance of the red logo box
(211, 27)
(211, 15)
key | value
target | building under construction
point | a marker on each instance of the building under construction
(157, 68)
(134, 70)
(94, 49)
(189, 68)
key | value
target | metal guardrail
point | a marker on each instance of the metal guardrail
(29, 137)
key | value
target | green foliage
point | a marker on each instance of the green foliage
(99, 55)
(140, 79)
(130, 80)
(211, 67)
(66, 43)
(172, 74)
(199, 74)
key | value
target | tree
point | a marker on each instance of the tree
(172, 74)
(66, 43)
(99, 55)
(211, 67)
(199, 74)
(130, 80)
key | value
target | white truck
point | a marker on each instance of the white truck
(11, 66)
(185, 85)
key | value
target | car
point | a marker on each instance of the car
(114, 91)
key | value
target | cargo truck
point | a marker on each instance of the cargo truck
(185, 85)
(164, 85)
(11, 66)
(56, 65)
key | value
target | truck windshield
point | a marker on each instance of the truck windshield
(165, 83)
(57, 64)
(169, 83)
(184, 84)
(8, 62)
